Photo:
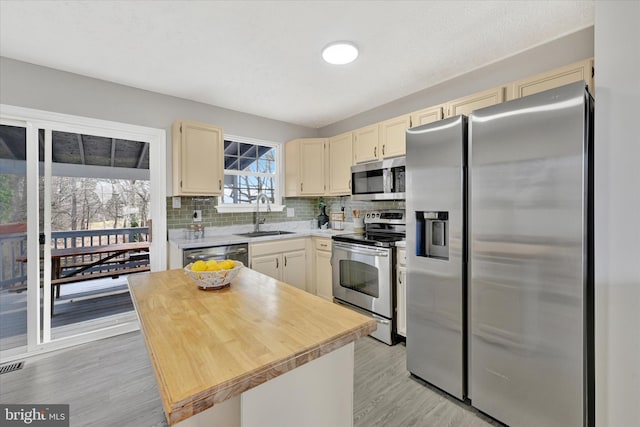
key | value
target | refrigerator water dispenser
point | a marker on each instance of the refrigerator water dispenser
(432, 234)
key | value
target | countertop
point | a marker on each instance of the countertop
(401, 244)
(208, 346)
(220, 237)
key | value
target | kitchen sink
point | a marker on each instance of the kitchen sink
(264, 233)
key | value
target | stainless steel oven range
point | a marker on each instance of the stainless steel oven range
(364, 269)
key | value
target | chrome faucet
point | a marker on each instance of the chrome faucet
(258, 220)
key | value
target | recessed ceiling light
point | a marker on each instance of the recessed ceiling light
(340, 53)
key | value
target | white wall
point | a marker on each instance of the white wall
(33, 86)
(556, 53)
(617, 216)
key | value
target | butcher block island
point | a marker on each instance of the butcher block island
(258, 353)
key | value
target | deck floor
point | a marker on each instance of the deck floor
(82, 307)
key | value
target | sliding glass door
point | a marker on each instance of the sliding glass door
(13, 237)
(77, 196)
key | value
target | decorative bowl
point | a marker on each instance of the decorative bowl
(211, 280)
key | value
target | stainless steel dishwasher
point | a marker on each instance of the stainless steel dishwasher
(238, 252)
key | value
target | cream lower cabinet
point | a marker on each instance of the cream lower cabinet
(322, 269)
(401, 293)
(285, 260)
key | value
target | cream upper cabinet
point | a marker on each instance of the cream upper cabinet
(305, 161)
(322, 270)
(479, 100)
(339, 168)
(365, 144)
(312, 166)
(428, 115)
(393, 138)
(198, 150)
(582, 70)
(292, 168)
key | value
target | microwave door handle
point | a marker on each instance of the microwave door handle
(385, 181)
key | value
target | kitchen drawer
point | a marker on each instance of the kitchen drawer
(402, 256)
(278, 246)
(322, 244)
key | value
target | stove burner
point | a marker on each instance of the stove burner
(383, 229)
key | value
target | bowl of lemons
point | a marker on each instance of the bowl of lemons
(212, 274)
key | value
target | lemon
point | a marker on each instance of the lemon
(230, 262)
(226, 264)
(214, 267)
(199, 266)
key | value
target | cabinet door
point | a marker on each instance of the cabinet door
(268, 264)
(198, 167)
(340, 157)
(295, 269)
(393, 136)
(365, 144)
(323, 275)
(582, 70)
(292, 168)
(428, 115)
(401, 296)
(312, 167)
(479, 100)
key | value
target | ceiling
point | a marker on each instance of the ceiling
(76, 149)
(263, 57)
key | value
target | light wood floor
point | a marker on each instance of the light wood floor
(111, 383)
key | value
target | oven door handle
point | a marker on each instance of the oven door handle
(361, 251)
(378, 319)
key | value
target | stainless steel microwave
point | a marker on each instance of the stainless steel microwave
(381, 180)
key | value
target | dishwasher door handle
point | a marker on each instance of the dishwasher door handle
(236, 252)
(209, 255)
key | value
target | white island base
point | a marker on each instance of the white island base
(318, 393)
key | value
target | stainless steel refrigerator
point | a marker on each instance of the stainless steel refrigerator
(499, 258)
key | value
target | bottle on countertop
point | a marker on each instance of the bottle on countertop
(323, 218)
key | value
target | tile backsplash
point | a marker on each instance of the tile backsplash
(304, 208)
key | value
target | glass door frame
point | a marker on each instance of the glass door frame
(33, 120)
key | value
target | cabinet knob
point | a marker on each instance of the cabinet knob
(219, 184)
(375, 151)
(383, 145)
(277, 263)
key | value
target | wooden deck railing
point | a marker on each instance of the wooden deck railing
(13, 247)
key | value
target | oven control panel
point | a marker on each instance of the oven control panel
(389, 216)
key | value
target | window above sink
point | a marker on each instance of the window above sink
(251, 167)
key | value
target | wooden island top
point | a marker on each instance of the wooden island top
(209, 346)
